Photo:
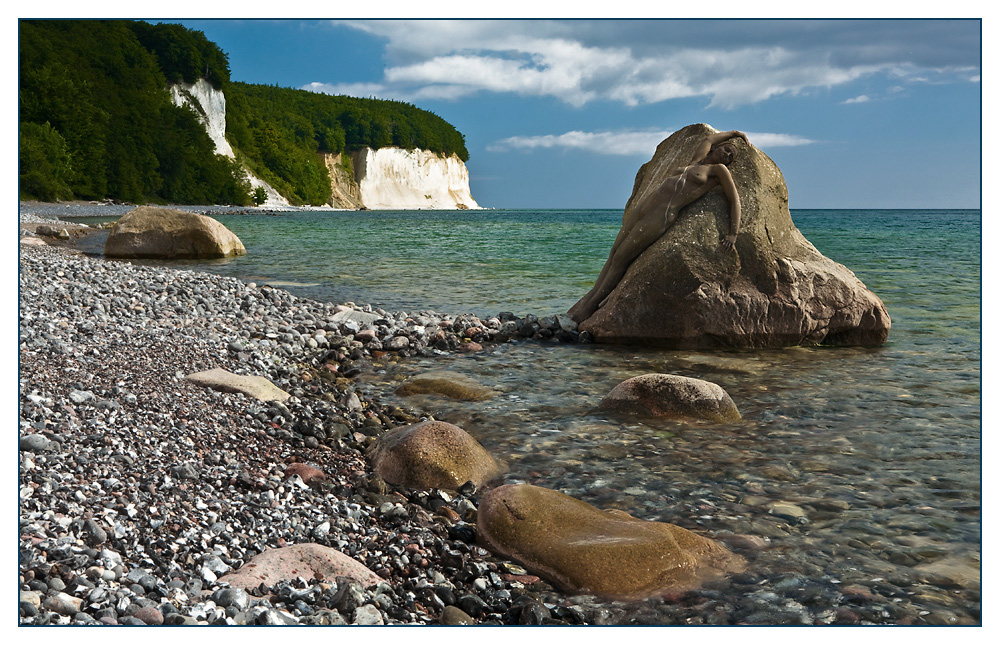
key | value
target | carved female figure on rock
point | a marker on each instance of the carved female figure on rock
(659, 210)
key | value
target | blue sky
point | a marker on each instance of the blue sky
(561, 113)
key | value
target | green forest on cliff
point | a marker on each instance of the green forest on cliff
(97, 121)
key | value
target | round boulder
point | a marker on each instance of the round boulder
(671, 396)
(583, 549)
(152, 232)
(432, 454)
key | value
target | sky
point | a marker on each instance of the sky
(562, 113)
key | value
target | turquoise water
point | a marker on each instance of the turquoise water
(880, 446)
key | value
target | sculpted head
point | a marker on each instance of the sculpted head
(724, 154)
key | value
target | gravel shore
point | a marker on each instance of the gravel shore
(139, 489)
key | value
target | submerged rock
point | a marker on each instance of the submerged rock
(450, 384)
(773, 290)
(256, 386)
(668, 395)
(583, 549)
(432, 454)
(151, 232)
(300, 560)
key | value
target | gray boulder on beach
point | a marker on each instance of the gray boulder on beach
(773, 290)
(153, 232)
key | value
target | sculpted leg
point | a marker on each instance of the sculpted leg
(629, 245)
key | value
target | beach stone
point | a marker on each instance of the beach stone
(952, 572)
(774, 290)
(583, 549)
(36, 443)
(445, 383)
(668, 395)
(432, 454)
(154, 232)
(362, 318)
(299, 560)
(149, 615)
(368, 615)
(63, 603)
(36, 241)
(307, 473)
(397, 343)
(452, 615)
(52, 231)
(256, 386)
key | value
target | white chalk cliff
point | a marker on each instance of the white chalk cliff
(210, 105)
(393, 178)
(383, 179)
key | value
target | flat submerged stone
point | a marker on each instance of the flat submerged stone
(444, 383)
(583, 549)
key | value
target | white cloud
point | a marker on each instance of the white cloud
(350, 89)
(626, 142)
(864, 98)
(644, 62)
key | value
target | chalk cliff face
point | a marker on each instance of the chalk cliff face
(393, 178)
(383, 179)
(210, 104)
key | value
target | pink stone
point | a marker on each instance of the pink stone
(299, 560)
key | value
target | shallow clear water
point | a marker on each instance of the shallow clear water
(881, 447)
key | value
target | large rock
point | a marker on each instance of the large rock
(583, 549)
(152, 232)
(774, 290)
(300, 560)
(671, 396)
(225, 381)
(432, 454)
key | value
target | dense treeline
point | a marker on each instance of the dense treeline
(280, 130)
(96, 119)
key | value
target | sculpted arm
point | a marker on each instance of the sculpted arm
(714, 139)
(725, 178)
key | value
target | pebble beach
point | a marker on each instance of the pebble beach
(140, 491)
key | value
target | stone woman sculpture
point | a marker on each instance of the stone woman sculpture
(669, 283)
(659, 209)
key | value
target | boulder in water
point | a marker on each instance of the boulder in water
(583, 549)
(672, 396)
(773, 290)
(153, 232)
(432, 454)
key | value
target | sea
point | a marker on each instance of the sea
(853, 466)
